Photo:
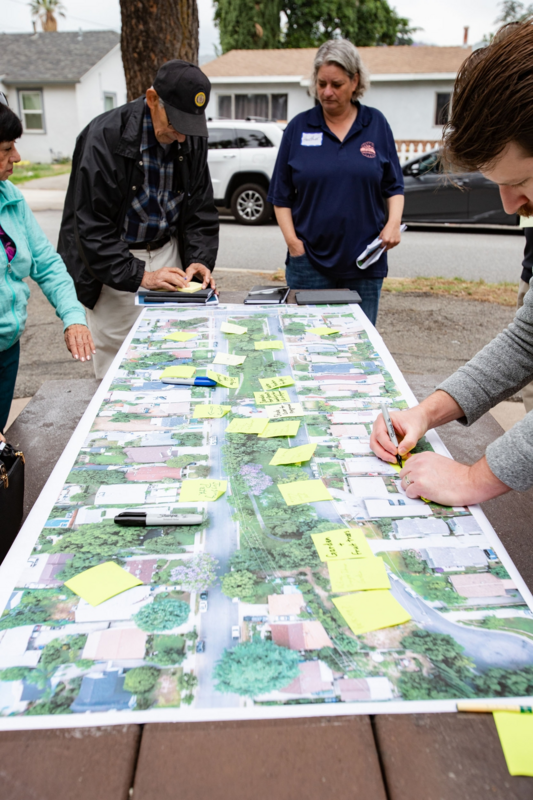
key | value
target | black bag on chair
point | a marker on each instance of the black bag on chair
(11, 496)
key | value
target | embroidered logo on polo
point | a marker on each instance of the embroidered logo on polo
(311, 139)
(368, 149)
(200, 99)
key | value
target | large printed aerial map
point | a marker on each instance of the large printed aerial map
(234, 617)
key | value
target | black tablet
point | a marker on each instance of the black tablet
(319, 297)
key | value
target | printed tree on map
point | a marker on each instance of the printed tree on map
(162, 615)
(197, 574)
(255, 668)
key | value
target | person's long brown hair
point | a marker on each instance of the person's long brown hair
(492, 102)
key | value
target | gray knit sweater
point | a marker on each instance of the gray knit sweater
(495, 373)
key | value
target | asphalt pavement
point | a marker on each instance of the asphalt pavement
(493, 257)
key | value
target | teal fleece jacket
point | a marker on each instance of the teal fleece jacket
(35, 258)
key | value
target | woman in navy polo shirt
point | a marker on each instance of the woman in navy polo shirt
(337, 183)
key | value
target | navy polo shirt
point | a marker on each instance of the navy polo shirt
(337, 190)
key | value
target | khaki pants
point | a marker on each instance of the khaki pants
(527, 391)
(112, 318)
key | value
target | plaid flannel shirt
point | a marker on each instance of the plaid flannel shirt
(155, 208)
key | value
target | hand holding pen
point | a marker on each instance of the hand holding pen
(391, 431)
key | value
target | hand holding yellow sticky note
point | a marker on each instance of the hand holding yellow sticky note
(248, 425)
(341, 543)
(229, 327)
(269, 398)
(370, 611)
(223, 380)
(193, 287)
(178, 372)
(268, 384)
(293, 455)
(323, 331)
(276, 345)
(229, 359)
(284, 410)
(516, 737)
(299, 492)
(179, 336)
(209, 411)
(197, 491)
(97, 584)
(280, 429)
(358, 574)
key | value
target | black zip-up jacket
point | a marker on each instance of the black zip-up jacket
(106, 173)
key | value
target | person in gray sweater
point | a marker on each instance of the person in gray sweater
(501, 146)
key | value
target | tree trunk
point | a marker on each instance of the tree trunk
(155, 31)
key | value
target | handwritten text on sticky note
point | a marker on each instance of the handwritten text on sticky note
(268, 384)
(341, 543)
(223, 380)
(196, 491)
(208, 411)
(284, 410)
(269, 398)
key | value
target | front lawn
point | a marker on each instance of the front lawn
(28, 171)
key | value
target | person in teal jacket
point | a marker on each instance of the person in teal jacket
(26, 252)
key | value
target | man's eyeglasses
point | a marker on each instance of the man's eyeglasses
(3, 99)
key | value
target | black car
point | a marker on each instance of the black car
(203, 595)
(431, 196)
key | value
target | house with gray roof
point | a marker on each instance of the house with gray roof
(57, 82)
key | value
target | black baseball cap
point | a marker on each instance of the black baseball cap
(185, 91)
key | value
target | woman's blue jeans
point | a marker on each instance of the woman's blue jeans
(9, 364)
(300, 274)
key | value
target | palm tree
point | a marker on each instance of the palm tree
(46, 11)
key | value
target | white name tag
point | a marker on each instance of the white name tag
(312, 139)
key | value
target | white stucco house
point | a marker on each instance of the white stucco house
(410, 85)
(57, 83)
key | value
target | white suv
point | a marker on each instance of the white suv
(241, 160)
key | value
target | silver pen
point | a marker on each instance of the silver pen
(391, 431)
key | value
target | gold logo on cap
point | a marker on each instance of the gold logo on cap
(200, 99)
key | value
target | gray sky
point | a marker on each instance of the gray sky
(442, 23)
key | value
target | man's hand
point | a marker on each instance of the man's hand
(204, 272)
(444, 481)
(168, 278)
(80, 342)
(410, 426)
(296, 248)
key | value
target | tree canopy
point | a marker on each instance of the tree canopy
(253, 25)
(162, 615)
(254, 668)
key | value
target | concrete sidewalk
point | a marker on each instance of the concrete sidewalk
(46, 194)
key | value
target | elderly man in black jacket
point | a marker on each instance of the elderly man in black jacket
(139, 209)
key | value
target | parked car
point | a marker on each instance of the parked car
(200, 646)
(431, 196)
(241, 160)
(410, 591)
(235, 632)
(203, 595)
(490, 553)
(213, 440)
(203, 606)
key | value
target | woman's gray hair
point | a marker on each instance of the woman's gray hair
(346, 56)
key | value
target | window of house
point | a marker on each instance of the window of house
(224, 106)
(251, 105)
(279, 107)
(442, 108)
(110, 101)
(31, 110)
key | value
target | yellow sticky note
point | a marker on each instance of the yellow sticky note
(223, 380)
(293, 455)
(267, 384)
(357, 574)
(299, 492)
(323, 331)
(370, 611)
(229, 359)
(248, 425)
(178, 372)
(209, 411)
(516, 738)
(229, 327)
(102, 582)
(197, 491)
(178, 336)
(193, 287)
(276, 345)
(280, 429)
(341, 543)
(285, 410)
(269, 398)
